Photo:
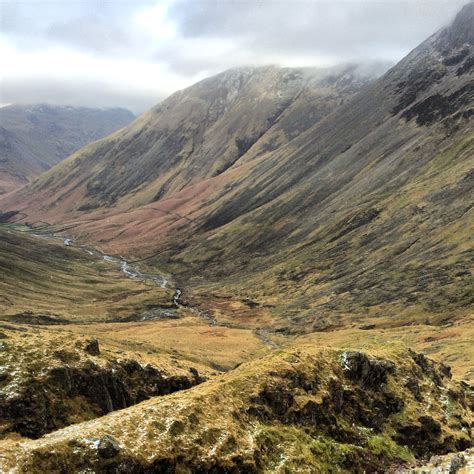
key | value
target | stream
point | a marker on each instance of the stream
(132, 272)
(157, 279)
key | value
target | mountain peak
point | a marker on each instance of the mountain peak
(461, 30)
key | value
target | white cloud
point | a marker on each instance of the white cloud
(60, 64)
(154, 20)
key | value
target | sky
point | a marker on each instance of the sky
(135, 53)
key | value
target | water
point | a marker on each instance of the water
(132, 272)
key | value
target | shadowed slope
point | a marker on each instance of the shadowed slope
(33, 138)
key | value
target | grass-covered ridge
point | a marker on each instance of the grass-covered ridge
(301, 409)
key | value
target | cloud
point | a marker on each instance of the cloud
(61, 75)
(122, 53)
(341, 30)
(77, 93)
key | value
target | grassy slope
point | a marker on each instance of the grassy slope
(280, 413)
(45, 277)
(363, 220)
(41, 277)
(48, 378)
(366, 213)
(412, 261)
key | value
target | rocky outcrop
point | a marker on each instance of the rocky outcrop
(369, 372)
(92, 347)
(362, 396)
(305, 410)
(80, 390)
(108, 447)
(453, 463)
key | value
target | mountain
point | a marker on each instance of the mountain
(359, 209)
(33, 138)
(271, 271)
(197, 133)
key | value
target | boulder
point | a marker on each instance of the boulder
(92, 347)
(457, 463)
(108, 447)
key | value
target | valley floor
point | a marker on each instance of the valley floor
(151, 341)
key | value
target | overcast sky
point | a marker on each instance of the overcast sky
(135, 53)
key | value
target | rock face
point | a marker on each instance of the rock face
(303, 409)
(108, 447)
(454, 463)
(461, 32)
(80, 390)
(369, 372)
(92, 347)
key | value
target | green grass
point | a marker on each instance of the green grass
(42, 276)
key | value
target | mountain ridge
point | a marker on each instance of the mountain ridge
(35, 137)
(200, 129)
(298, 218)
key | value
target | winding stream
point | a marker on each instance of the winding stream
(157, 279)
(133, 272)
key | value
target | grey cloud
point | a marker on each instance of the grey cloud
(90, 33)
(343, 29)
(76, 93)
(89, 26)
(258, 32)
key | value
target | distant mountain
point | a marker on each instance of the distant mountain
(35, 137)
(321, 194)
(198, 133)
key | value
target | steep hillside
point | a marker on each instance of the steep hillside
(299, 410)
(195, 134)
(34, 138)
(364, 218)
